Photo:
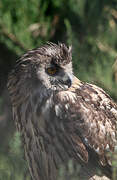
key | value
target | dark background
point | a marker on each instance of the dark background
(89, 25)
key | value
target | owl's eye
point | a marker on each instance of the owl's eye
(52, 70)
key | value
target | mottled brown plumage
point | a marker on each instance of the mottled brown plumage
(59, 117)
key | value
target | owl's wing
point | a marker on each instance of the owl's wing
(89, 116)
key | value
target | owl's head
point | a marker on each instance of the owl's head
(48, 67)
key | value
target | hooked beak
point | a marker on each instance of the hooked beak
(67, 80)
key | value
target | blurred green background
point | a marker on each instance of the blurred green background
(89, 25)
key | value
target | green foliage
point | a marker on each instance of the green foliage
(69, 173)
(89, 25)
(1, 106)
(12, 163)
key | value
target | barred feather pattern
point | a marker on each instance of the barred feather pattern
(78, 123)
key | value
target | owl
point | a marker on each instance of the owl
(59, 117)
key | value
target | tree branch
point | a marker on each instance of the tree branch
(12, 38)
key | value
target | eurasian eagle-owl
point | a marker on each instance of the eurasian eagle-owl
(59, 116)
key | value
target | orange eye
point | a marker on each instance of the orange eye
(51, 70)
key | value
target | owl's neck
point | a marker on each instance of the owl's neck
(40, 94)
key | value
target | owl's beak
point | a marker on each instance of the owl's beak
(67, 80)
(69, 83)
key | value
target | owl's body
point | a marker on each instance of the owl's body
(59, 117)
